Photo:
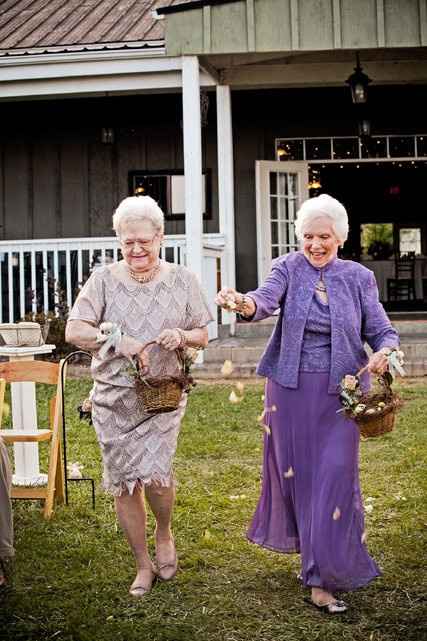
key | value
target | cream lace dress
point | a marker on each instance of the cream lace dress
(137, 448)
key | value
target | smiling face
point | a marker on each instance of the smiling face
(140, 243)
(320, 245)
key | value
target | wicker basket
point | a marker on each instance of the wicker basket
(160, 395)
(25, 334)
(373, 425)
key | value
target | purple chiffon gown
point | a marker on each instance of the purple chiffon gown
(310, 501)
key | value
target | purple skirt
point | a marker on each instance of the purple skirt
(310, 500)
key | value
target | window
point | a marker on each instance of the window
(167, 187)
(410, 240)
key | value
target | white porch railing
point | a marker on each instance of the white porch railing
(34, 272)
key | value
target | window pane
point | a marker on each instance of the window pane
(283, 208)
(292, 185)
(422, 145)
(401, 146)
(275, 252)
(410, 241)
(284, 240)
(290, 150)
(318, 149)
(274, 233)
(281, 184)
(273, 182)
(273, 208)
(345, 148)
(375, 148)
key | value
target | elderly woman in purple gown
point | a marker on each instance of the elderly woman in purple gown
(311, 501)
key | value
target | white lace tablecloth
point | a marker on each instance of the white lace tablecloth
(384, 269)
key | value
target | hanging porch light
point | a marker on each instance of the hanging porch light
(358, 82)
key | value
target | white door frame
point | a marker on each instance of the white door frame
(263, 168)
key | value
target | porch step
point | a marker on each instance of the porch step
(263, 329)
(245, 349)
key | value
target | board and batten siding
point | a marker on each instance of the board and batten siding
(58, 182)
(296, 25)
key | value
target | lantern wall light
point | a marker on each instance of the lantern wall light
(358, 82)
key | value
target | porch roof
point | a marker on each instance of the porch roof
(53, 26)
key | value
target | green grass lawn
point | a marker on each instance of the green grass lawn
(73, 573)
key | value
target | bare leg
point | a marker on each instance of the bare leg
(132, 517)
(161, 500)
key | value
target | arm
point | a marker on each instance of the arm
(259, 303)
(377, 330)
(170, 339)
(84, 335)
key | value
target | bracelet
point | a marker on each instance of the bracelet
(243, 306)
(183, 337)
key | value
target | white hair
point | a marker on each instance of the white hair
(136, 209)
(323, 205)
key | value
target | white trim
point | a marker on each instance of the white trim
(226, 188)
(93, 73)
(192, 163)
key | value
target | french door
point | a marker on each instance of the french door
(281, 187)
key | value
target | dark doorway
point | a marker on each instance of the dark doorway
(388, 218)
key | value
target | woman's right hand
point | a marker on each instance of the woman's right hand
(130, 347)
(228, 298)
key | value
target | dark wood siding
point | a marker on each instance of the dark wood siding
(58, 179)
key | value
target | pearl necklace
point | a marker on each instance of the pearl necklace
(144, 278)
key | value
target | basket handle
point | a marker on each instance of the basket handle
(178, 353)
(382, 378)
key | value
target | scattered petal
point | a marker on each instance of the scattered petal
(233, 398)
(337, 514)
(240, 386)
(207, 535)
(227, 368)
(273, 408)
(364, 537)
(261, 417)
(289, 473)
(370, 498)
(267, 429)
(263, 397)
(369, 508)
(235, 497)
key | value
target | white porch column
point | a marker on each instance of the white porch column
(192, 164)
(226, 190)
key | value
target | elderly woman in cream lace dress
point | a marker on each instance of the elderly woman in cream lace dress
(146, 299)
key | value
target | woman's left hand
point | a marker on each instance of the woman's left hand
(378, 363)
(170, 339)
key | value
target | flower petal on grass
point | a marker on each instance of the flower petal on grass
(233, 398)
(337, 514)
(289, 473)
(240, 386)
(364, 537)
(369, 508)
(267, 430)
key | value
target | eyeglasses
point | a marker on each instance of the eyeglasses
(145, 244)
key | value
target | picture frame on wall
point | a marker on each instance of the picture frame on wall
(167, 187)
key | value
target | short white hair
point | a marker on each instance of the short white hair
(323, 205)
(136, 209)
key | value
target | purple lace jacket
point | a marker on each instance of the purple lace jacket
(356, 316)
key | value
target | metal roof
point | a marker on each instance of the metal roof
(52, 26)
